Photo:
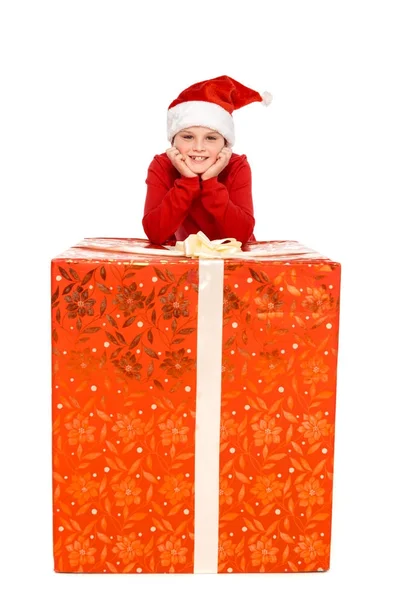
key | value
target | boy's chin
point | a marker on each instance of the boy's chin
(199, 169)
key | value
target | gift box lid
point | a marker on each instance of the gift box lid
(136, 249)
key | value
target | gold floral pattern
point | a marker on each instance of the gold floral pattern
(124, 332)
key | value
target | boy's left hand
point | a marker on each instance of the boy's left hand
(222, 160)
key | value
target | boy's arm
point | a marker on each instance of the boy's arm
(166, 208)
(232, 211)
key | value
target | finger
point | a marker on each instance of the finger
(226, 155)
(173, 154)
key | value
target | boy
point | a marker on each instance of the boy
(199, 184)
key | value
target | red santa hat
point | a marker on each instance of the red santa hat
(210, 104)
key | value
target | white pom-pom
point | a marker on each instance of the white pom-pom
(266, 98)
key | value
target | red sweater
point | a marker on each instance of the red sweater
(177, 206)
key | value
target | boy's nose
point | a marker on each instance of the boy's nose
(198, 146)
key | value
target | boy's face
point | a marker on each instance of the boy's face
(200, 142)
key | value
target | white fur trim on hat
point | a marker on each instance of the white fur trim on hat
(200, 114)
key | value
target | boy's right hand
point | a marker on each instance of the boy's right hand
(178, 160)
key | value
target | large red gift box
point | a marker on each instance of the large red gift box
(193, 408)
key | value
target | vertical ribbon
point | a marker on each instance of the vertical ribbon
(208, 415)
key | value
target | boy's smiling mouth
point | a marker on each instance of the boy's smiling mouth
(198, 158)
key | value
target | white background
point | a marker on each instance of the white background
(85, 88)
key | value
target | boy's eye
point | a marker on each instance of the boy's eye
(209, 137)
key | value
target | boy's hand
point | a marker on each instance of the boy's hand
(222, 160)
(178, 160)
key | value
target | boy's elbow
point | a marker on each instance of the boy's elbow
(156, 232)
(247, 229)
(152, 231)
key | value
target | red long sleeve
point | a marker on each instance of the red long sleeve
(232, 211)
(166, 207)
(177, 206)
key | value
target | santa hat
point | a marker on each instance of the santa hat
(210, 104)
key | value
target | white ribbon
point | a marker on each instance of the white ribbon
(208, 415)
(199, 246)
